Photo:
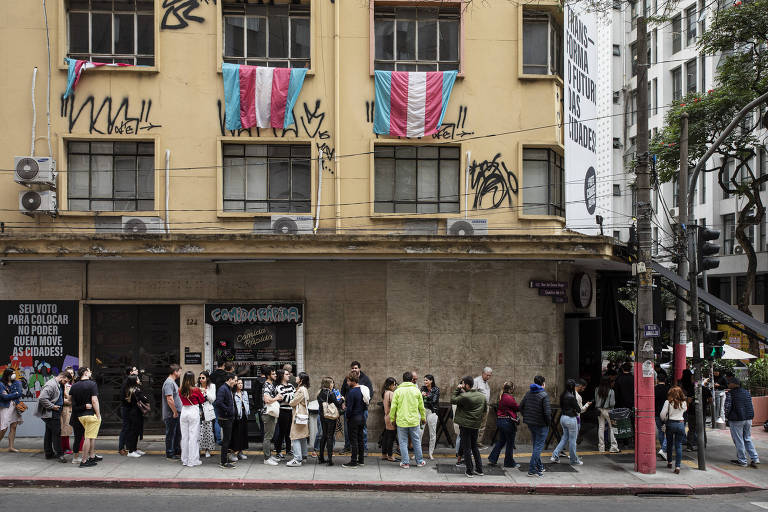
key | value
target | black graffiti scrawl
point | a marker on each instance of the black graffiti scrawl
(110, 116)
(492, 178)
(178, 13)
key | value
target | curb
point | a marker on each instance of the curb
(331, 485)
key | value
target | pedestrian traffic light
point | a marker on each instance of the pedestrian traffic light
(713, 344)
(705, 248)
(633, 246)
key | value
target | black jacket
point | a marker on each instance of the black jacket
(624, 387)
(363, 381)
(535, 407)
(327, 395)
(738, 405)
(218, 377)
(224, 403)
(660, 392)
(569, 406)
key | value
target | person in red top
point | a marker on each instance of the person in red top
(506, 424)
(191, 398)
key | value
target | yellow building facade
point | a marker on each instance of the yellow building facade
(330, 242)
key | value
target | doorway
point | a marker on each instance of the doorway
(145, 336)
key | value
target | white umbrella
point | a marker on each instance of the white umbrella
(729, 352)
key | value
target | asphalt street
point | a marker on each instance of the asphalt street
(146, 500)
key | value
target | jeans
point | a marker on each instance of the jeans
(269, 430)
(538, 438)
(52, 439)
(660, 435)
(675, 436)
(314, 426)
(387, 440)
(190, 435)
(507, 431)
(299, 447)
(172, 436)
(226, 438)
(326, 441)
(365, 432)
(432, 424)
(319, 435)
(459, 449)
(469, 439)
(216, 430)
(602, 418)
(720, 406)
(741, 433)
(356, 426)
(570, 426)
(79, 431)
(403, 433)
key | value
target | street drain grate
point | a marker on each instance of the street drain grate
(553, 468)
(453, 469)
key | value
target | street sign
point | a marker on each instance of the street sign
(651, 331)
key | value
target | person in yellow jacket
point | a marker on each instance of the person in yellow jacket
(408, 414)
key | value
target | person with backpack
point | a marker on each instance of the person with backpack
(388, 437)
(537, 415)
(739, 413)
(407, 413)
(329, 406)
(605, 401)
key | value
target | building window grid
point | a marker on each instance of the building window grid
(416, 179)
(677, 84)
(444, 55)
(533, 64)
(259, 45)
(633, 58)
(142, 35)
(729, 233)
(677, 35)
(551, 180)
(267, 178)
(690, 76)
(763, 161)
(655, 88)
(110, 176)
(633, 108)
(691, 22)
(703, 73)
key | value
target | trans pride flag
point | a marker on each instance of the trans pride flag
(76, 68)
(411, 104)
(260, 96)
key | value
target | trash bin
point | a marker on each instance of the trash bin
(621, 423)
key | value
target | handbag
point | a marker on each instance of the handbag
(330, 411)
(273, 409)
(209, 414)
(302, 419)
(142, 402)
(21, 407)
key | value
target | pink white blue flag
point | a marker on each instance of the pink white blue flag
(411, 104)
(76, 69)
(260, 96)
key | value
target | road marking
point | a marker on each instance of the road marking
(760, 504)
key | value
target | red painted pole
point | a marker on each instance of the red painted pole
(679, 361)
(645, 423)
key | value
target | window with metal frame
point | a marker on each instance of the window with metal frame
(690, 76)
(543, 179)
(267, 178)
(761, 289)
(110, 176)
(655, 88)
(633, 14)
(702, 73)
(267, 34)
(633, 107)
(677, 33)
(617, 190)
(542, 44)
(729, 233)
(763, 162)
(416, 179)
(677, 84)
(112, 31)
(410, 38)
(691, 22)
(633, 58)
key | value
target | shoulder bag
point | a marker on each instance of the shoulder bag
(21, 407)
(301, 418)
(142, 402)
(273, 409)
(330, 411)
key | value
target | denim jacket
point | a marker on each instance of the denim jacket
(10, 394)
(240, 402)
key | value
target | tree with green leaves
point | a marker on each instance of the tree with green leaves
(738, 36)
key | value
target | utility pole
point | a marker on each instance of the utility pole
(682, 264)
(645, 424)
(696, 331)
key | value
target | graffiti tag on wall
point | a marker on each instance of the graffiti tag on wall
(491, 179)
(178, 13)
(108, 118)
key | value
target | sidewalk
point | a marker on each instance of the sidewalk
(601, 474)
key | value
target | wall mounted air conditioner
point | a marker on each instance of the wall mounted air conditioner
(738, 250)
(142, 225)
(39, 170)
(291, 224)
(674, 212)
(467, 227)
(37, 201)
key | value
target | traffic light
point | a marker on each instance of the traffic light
(633, 246)
(705, 248)
(713, 344)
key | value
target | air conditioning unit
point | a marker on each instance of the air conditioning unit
(291, 224)
(674, 212)
(467, 227)
(39, 170)
(37, 201)
(738, 250)
(142, 225)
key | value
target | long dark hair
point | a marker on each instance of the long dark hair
(304, 379)
(7, 375)
(131, 386)
(207, 375)
(187, 383)
(388, 382)
(605, 387)
(431, 379)
(570, 388)
(280, 375)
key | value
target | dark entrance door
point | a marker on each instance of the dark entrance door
(146, 336)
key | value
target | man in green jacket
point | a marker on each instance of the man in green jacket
(408, 414)
(471, 407)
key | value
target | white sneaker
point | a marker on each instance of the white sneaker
(242, 456)
(232, 457)
(271, 462)
(77, 460)
(294, 463)
(140, 452)
(207, 454)
(135, 454)
(662, 454)
(554, 459)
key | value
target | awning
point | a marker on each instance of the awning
(750, 323)
(729, 352)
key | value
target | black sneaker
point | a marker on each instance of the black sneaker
(62, 459)
(98, 458)
(330, 463)
(87, 464)
(492, 464)
(351, 465)
(228, 465)
(94, 460)
(479, 473)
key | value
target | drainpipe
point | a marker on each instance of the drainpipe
(319, 188)
(167, 191)
(466, 188)
(336, 116)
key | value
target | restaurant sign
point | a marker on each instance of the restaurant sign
(236, 314)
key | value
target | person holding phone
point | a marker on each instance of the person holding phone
(506, 423)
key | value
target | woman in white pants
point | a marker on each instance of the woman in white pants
(431, 394)
(191, 398)
(605, 400)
